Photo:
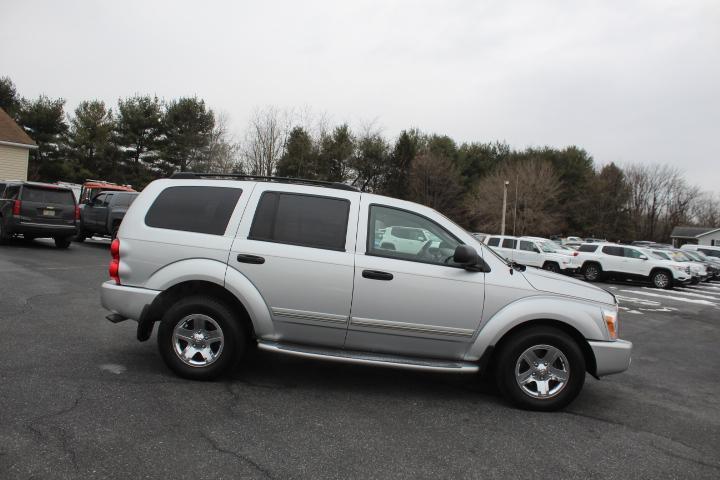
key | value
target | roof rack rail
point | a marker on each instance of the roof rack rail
(264, 178)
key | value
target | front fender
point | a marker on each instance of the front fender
(585, 317)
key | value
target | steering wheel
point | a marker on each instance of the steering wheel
(425, 249)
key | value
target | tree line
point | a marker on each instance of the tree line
(552, 191)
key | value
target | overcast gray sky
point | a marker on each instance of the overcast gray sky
(629, 81)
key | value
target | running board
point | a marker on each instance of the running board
(364, 358)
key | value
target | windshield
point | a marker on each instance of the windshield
(680, 257)
(658, 255)
(548, 247)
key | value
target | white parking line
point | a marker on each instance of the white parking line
(669, 297)
(690, 293)
(641, 301)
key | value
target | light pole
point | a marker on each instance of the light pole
(502, 225)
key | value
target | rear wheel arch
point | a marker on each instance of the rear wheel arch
(591, 365)
(181, 290)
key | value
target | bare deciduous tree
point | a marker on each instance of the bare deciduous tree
(223, 151)
(660, 199)
(534, 211)
(265, 140)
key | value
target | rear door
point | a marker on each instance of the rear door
(47, 205)
(296, 245)
(614, 259)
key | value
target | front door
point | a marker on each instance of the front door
(296, 245)
(412, 304)
(528, 254)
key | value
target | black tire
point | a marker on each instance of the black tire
(81, 236)
(694, 281)
(551, 267)
(233, 347)
(661, 279)
(4, 237)
(592, 272)
(62, 242)
(509, 356)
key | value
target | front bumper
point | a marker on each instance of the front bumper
(128, 302)
(611, 357)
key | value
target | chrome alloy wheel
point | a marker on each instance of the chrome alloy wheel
(542, 371)
(661, 280)
(198, 340)
(592, 272)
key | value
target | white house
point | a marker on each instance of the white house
(15, 146)
(696, 235)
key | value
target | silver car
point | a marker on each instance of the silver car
(299, 268)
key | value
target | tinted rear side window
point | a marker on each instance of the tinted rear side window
(11, 192)
(124, 200)
(614, 251)
(47, 195)
(509, 243)
(193, 209)
(494, 242)
(587, 248)
(306, 220)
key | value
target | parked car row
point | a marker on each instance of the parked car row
(47, 210)
(598, 260)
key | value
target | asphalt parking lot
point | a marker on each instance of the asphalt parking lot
(83, 399)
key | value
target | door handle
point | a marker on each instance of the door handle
(243, 258)
(377, 275)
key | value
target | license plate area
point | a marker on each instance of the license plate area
(48, 213)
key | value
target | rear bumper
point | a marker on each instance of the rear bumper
(611, 357)
(42, 229)
(128, 302)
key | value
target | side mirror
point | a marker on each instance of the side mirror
(643, 257)
(536, 250)
(465, 255)
(468, 258)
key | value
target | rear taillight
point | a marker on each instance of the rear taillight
(77, 213)
(16, 207)
(114, 269)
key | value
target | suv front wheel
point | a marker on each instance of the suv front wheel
(200, 339)
(541, 368)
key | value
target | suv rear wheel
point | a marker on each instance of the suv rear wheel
(592, 272)
(541, 368)
(200, 339)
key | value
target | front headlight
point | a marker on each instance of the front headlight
(612, 321)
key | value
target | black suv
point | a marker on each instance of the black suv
(37, 210)
(103, 214)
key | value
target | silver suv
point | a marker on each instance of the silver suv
(299, 268)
